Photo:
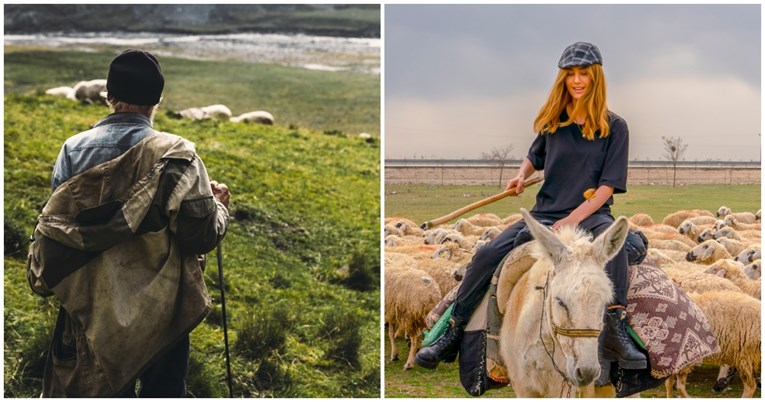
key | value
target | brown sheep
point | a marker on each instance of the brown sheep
(708, 252)
(410, 294)
(734, 319)
(641, 219)
(512, 218)
(676, 218)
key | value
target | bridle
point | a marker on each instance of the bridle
(568, 332)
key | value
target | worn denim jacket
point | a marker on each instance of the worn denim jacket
(108, 139)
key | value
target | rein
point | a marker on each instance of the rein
(568, 332)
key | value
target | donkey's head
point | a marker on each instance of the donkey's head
(577, 291)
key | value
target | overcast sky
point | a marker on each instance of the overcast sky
(463, 79)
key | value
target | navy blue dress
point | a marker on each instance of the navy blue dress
(572, 164)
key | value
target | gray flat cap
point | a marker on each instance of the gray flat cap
(580, 54)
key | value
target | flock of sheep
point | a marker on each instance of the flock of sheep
(94, 91)
(715, 258)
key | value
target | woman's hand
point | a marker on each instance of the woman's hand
(570, 220)
(516, 183)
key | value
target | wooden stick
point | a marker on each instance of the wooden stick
(477, 204)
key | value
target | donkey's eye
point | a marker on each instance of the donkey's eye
(561, 304)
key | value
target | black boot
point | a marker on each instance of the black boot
(445, 348)
(617, 343)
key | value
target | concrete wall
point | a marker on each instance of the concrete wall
(450, 175)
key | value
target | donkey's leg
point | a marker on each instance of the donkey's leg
(682, 378)
(669, 385)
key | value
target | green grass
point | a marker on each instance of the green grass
(304, 206)
(422, 202)
(321, 101)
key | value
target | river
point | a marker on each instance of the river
(303, 51)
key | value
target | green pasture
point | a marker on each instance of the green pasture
(421, 203)
(301, 257)
(324, 101)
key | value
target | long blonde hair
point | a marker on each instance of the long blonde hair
(593, 103)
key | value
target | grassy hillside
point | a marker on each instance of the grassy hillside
(318, 100)
(301, 257)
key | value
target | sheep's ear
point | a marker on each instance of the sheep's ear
(720, 273)
(610, 242)
(551, 244)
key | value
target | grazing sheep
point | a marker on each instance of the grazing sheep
(753, 270)
(743, 217)
(465, 243)
(703, 220)
(392, 240)
(747, 236)
(641, 219)
(478, 245)
(512, 218)
(392, 230)
(442, 271)
(708, 252)
(734, 319)
(436, 236)
(485, 220)
(719, 224)
(734, 272)
(691, 230)
(66, 92)
(466, 227)
(258, 116)
(408, 227)
(366, 137)
(654, 236)
(692, 280)
(734, 222)
(490, 233)
(410, 294)
(90, 91)
(733, 246)
(663, 257)
(750, 253)
(706, 234)
(672, 244)
(220, 112)
(676, 218)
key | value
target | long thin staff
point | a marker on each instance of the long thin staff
(223, 311)
(477, 204)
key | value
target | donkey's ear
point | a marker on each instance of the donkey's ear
(610, 242)
(551, 244)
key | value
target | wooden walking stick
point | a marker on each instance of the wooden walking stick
(477, 204)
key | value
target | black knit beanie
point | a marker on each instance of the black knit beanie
(135, 77)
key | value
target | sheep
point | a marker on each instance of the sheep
(410, 294)
(691, 230)
(734, 319)
(743, 217)
(392, 240)
(672, 234)
(436, 236)
(442, 271)
(258, 116)
(485, 220)
(641, 219)
(692, 280)
(705, 235)
(719, 224)
(753, 270)
(676, 218)
(662, 257)
(671, 244)
(750, 253)
(465, 242)
(66, 92)
(708, 252)
(733, 246)
(758, 215)
(747, 236)
(466, 227)
(366, 137)
(734, 272)
(490, 233)
(90, 91)
(221, 112)
(478, 245)
(734, 222)
(392, 230)
(703, 220)
(408, 227)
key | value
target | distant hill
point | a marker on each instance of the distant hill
(346, 20)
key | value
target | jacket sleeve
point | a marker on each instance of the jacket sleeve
(198, 220)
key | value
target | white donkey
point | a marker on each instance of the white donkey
(553, 313)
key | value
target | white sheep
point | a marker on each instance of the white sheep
(692, 280)
(705, 235)
(670, 244)
(663, 257)
(442, 271)
(708, 252)
(490, 233)
(754, 270)
(743, 217)
(408, 227)
(392, 240)
(410, 294)
(485, 220)
(466, 227)
(734, 319)
(747, 236)
(734, 272)
(258, 116)
(735, 223)
(220, 112)
(691, 230)
(734, 247)
(90, 91)
(512, 218)
(750, 253)
(66, 92)
(389, 230)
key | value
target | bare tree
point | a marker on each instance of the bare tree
(674, 149)
(501, 155)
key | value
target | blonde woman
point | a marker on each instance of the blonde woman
(582, 148)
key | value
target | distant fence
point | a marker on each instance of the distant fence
(479, 171)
